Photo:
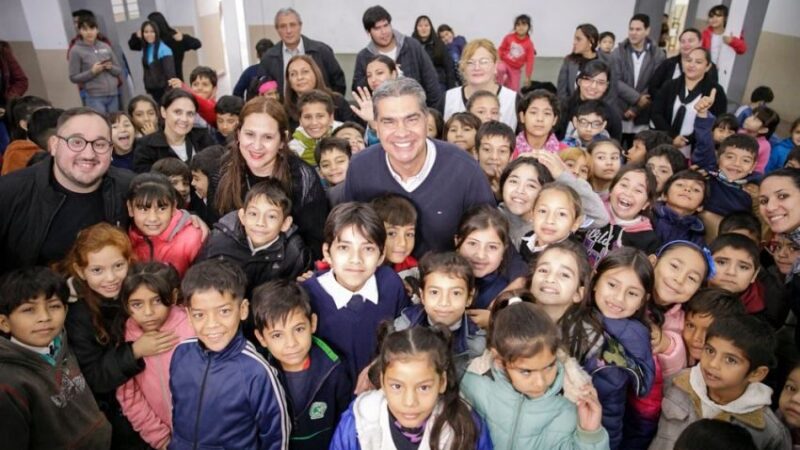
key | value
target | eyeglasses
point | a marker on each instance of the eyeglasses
(596, 124)
(483, 62)
(77, 144)
(593, 82)
(775, 247)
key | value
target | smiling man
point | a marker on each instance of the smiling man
(441, 180)
(46, 205)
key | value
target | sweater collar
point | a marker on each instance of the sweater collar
(749, 408)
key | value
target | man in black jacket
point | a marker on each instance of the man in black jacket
(43, 207)
(290, 28)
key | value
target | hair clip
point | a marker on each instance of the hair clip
(513, 300)
(712, 268)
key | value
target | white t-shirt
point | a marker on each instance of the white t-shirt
(716, 47)
(454, 102)
(180, 150)
(687, 127)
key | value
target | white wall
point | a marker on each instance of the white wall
(338, 22)
(782, 17)
(13, 26)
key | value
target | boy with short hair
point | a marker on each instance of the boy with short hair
(357, 293)
(643, 142)
(494, 144)
(354, 133)
(20, 112)
(705, 306)
(761, 96)
(761, 125)
(665, 161)
(736, 258)
(95, 68)
(44, 399)
(588, 124)
(202, 166)
(399, 218)
(675, 218)
(727, 385)
(203, 85)
(220, 371)
(312, 374)
(260, 237)
(316, 121)
(180, 177)
(332, 155)
(227, 110)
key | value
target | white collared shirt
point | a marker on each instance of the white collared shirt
(287, 53)
(413, 182)
(254, 250)
(341, 295)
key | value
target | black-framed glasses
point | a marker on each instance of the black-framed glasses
(78, 143)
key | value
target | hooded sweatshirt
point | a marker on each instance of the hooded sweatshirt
(178, 244)
(82, 57)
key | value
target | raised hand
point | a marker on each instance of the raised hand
(363, 107)
(175, 83)
(552, 161)
(705, 103)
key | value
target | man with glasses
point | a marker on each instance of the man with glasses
(46, 205)
(407, 53)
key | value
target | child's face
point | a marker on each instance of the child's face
(272, 94)
(521, 189)
(36, 322)
(753, 126)
(521, 28)
(484, 250)
(716, 21)
(445, 298)
(289, 341)
(789, 402)
(637, 152)
(88, 34)
(785, 252)
(796, 135)
(316, 120)
(263, 221)
(400, 240)
(695, 327)
(412, 387)
(554, 217)
(446, 36)
(462, 135)
(377, 74)
(607, 44)
(662, 170)
(203, 87)
(430, 124)
(333, 165)
(605, 162)
(735, 270)
(493, 155)
(147, 309)
(629, 196)
(151, 220)
(144, 114)
(720, 133)
(736, 163)
(215, 317)
(122, 134)
(618, 293)
(556, 280)
(200, 183)
(686, 196)
(539, 119)
(486, 108)
(589, 126)
(354, 137)
(679, 273)
(353, 258)
(227, 123)
(105, 270)
(533, 375)
(578, 167)
(181, 185)
(726, 370)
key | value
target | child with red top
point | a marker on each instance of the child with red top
(203, 85)
(714, 35)
(399, 216)
(515, 51)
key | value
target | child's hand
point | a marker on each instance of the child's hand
(304, 276)
(552, 161)
(364, 109)
(752, 189)
(154, 343)
(178, 36)
(363, 384)
(590, 413)
(727, 39)
(680, 141)
(480, 317)
(175, 83)
(149, 128)
(705, 103)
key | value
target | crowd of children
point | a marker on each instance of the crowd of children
(609, 298)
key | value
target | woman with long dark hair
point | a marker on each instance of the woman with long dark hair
(158, 61)
(178, 42)
(437, 52)
(593, 82)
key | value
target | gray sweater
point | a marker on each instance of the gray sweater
(82, 57)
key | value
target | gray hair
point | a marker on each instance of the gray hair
(398, 88)
(286, 11)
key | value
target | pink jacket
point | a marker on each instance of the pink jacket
(673, 360)
(145, 399)
(521, 147)
(178, 245)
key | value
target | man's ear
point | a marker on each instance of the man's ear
(52, 144)
(758, 374)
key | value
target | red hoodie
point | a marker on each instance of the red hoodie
(517, 52)
(737, 43)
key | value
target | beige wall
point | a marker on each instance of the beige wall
(190, 60)
(48, 74)
(256, 33)
(213, 51)
(775, 65)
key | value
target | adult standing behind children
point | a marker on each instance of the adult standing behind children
(177, 42)
(407, 53)
(584, 50)
(440, 179)
(672, 67)
(293, 43)
(436, 50)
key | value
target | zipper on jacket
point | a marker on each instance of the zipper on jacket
(50, 222)
(151, 246)
(516, 421)
(200, 402)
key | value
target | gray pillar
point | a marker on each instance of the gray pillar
(654, 9)
(753, 22)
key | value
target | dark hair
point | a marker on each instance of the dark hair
(87, 21)
(172, 95)
(636, 260)
(273, 191)
(768, 117)
(164, 29)
(788, 172)
(208, 160)
(274, 301)
(152, 187)
(290, 96)
(606, 34)
(740, 220)
(436, 342)
(543, 173)
(464, 118)
(720, 10)
(525, 101)
(80, 111)
(438, 120)
(523, 19)
(674, 157)
(727, 121)
(433, 45)
(349, 124)
(482, 217)
(762, 94)
(496, 128)
(359, 215)
(477, 95)
(794, 155)
(373, 15)
(43, 125)
(21, 109)
(444, 27)
(315, 96)
(591, 107)
(161, 278)
(751, 335)
(229, 104)
(521, 330)
(449, 263)
(204, 72)
(597, 143)
(713, 434)
(81, 12)
(687, 174)
(737, 241)
(395, 209)
(592, 35)
(715, 302)
(262, 46)
(649, 180)
(694, 31)
(218, 275)
(147, 99)
(172, 167)
(389, 62)
(331, 143)
(114, 116)
(160, 34)
(37, 157)
(652, 138)
(27, 284)
(644, 18)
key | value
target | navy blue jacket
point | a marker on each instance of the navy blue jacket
(330, 392)
(487, 288)
(670, 226)
(229, 399)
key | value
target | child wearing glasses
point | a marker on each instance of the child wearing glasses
(587, 125)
